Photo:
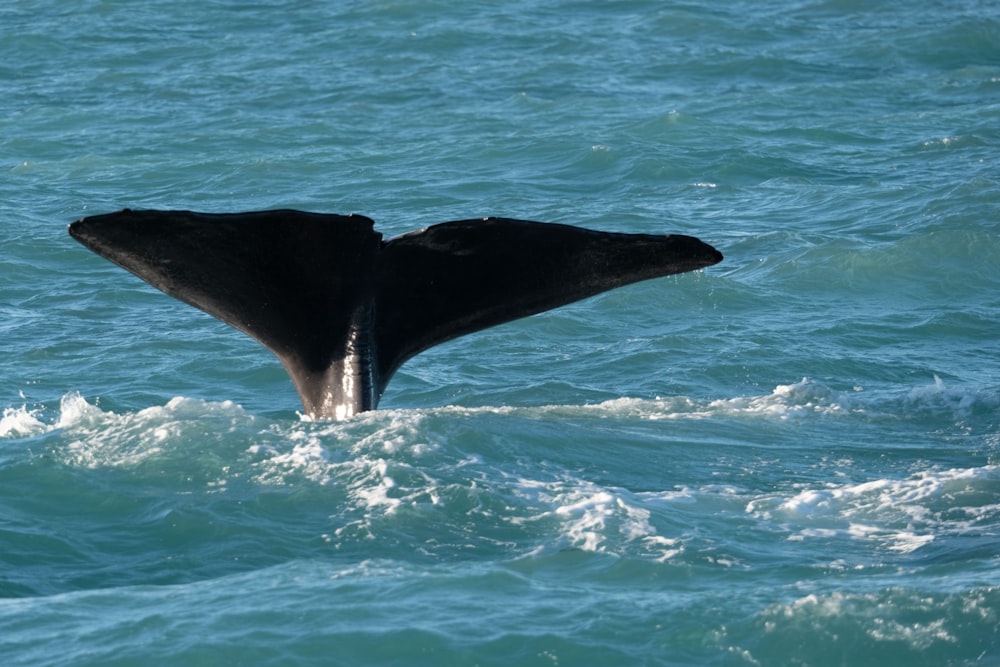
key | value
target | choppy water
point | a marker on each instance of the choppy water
(790, 458)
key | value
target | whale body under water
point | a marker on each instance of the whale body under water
(342, 309)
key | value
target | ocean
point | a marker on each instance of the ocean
(789, 458)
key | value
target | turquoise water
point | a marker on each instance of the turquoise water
(790, 458)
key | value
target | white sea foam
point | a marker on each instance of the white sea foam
(798, 399)
(24, 422)
(883, 494)
(795, 400)
(896, 616)
(377, 461)
(98, 438)
(594, 518)
(307, 458)
(785, 401)
(20, 422)
(386, 461)
(902, 515)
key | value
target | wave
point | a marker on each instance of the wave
(94, 436)
(928, 627)
(900, 515)
(499, 478)
(785, 401)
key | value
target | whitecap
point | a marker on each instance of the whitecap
(902, 515)
(21, 422)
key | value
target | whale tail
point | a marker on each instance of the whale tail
(342, 309)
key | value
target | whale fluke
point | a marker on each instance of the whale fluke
(342, 309)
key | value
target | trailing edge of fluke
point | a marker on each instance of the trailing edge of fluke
(343, 309)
